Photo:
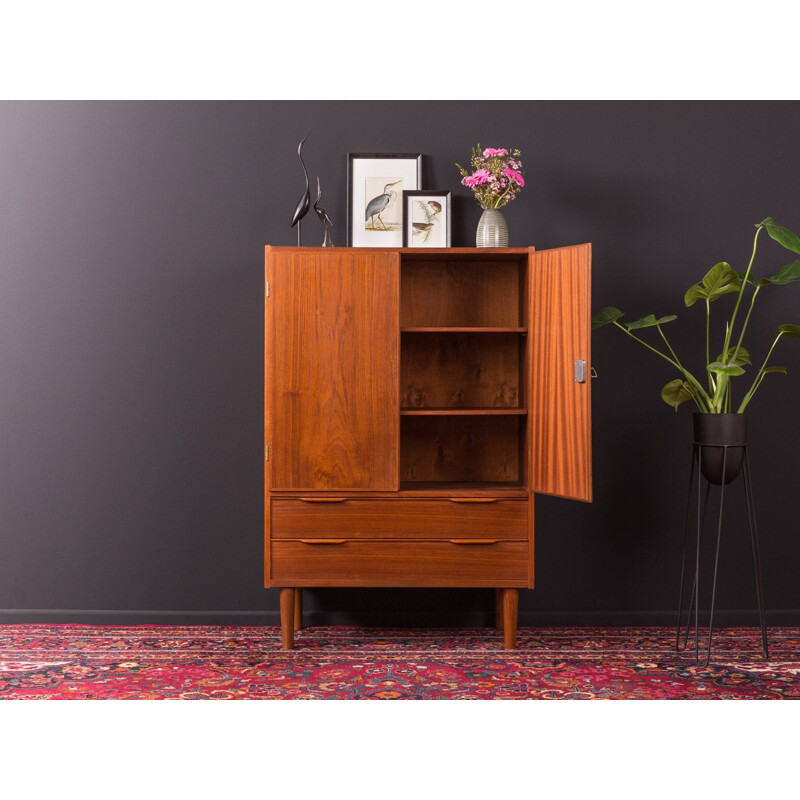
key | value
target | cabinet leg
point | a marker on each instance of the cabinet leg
(498, 609)
(287, 618)
(510, 604)
(298, 609)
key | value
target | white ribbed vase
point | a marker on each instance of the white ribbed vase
(492, 229)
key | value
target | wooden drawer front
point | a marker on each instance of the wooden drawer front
(400, 519)
(369, 563)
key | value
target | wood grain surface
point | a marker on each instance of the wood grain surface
(459, 370)
(353, 407)
(560, 408)
(461, 448)
(401, 519)
(461, 293)
(334, 374)
(510, 606)
(400, 563)
(287, 601)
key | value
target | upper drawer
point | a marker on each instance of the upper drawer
(463, 518)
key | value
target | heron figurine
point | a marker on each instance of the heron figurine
(378, 204)
(323, 218)
(305, 201)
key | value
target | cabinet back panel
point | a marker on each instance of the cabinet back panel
(455, 449)
(461, 294)
(460, 370)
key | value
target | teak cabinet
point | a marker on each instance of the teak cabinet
(415, 400)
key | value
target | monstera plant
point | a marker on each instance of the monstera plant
(712, 391)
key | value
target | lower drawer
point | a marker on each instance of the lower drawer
(343, 562)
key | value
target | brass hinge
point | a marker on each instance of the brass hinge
(266, 453)
(267, 288)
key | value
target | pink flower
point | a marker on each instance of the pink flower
(491, 151)
(477, 178)
(515, 176)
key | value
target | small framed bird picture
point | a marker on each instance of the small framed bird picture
(375, 186)
(426, 218)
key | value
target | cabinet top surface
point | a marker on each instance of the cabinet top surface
(412, 251)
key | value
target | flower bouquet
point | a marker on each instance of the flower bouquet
(496, 179)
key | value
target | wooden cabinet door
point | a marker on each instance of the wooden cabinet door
(559, 403)
(333, 397)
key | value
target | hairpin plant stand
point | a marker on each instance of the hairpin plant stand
(728, 455)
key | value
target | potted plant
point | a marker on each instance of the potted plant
(718, 420)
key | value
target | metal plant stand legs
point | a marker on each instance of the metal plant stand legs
(702, 506)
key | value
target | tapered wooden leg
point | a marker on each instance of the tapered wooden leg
(510, 603)
(298, 609)
(287, 618)
(498, 609)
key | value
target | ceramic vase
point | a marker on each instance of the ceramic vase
(492, 229)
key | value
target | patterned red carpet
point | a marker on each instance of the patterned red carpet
(200, 662)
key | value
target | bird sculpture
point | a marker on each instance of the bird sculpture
(305, 201)
(323, 217)
(378, 204)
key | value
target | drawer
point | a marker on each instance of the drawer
(461, 518)
(348, 562)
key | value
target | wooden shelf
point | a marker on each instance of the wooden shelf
(439, 329)
(463, 412)
(462, 489)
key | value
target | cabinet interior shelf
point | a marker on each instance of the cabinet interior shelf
(463, 412)
(452, 329)
(463, 489)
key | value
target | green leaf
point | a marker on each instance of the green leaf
(608, 314)
(677, 392)
(742, 357)
(717, 275)
(693, 294)
(783, 236)
(788, 274)
(649, 321)
(751, 280)
(719, 281)
(775, 369)
(792, 331)
(721, 368)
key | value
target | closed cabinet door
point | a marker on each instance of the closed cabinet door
(332, 351)
(560, 370)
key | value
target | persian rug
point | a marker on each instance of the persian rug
(227, 662)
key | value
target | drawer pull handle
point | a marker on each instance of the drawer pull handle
(474, 541)
(323, 541)
(323, 499)
(473, 499)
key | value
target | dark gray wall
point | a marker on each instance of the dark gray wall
(131, 351)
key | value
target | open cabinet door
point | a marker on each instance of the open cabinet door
(332, 355)
(560, 371)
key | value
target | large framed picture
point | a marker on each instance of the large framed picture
(375, 186)
(426, 218)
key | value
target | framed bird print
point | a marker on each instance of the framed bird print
(375, 186)
(426, 218)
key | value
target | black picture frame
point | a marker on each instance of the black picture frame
(352, 158)
(446, 195)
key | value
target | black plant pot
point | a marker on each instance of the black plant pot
(718, 433)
